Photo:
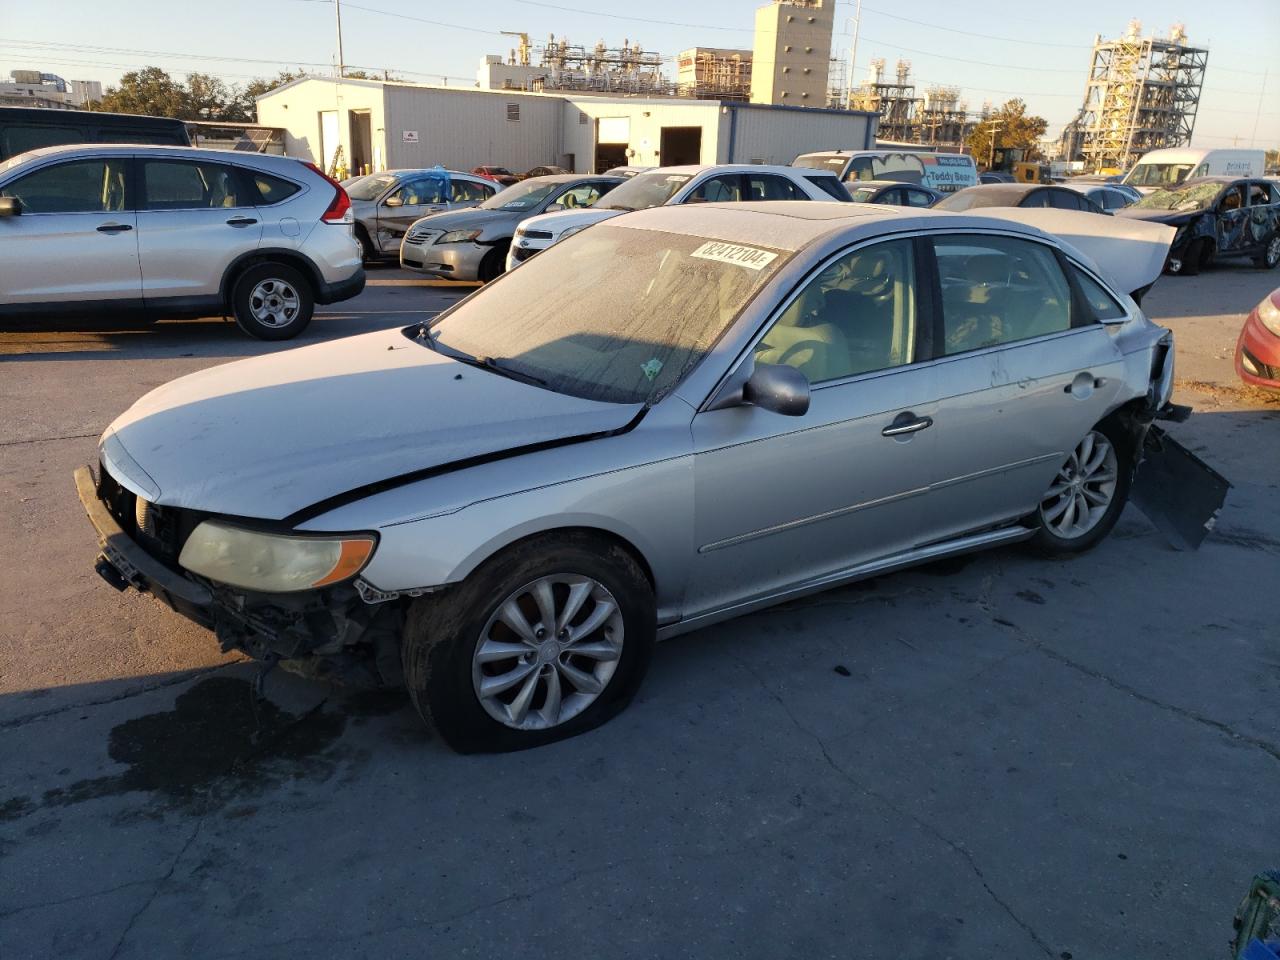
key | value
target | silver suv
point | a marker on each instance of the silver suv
(174, 231)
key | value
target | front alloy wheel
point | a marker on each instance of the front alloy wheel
(548, 652)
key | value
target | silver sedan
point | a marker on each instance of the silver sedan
(674, 418)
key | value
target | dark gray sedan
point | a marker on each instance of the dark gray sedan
(473, 244)
(386, 204)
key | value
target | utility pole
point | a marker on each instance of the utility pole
(991, 153)
(1262, 94)
(337, 7)
(853, 53)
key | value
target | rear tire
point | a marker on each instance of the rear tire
(1088, 494)
(458, 643)
(272, 301)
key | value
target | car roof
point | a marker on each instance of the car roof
(267, 160)
(1005, 189)
(794, 224)
(859, 184)
(696, 168)
(570, 177)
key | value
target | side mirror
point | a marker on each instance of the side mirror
(777, 388)
(393, 202)
(555, 207)
(10, 206)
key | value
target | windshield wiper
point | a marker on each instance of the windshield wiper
(616, 206)
(497, 365)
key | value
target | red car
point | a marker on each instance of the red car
(498, 174)
(1258, 349)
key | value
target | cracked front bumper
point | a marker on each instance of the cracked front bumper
(123, 563)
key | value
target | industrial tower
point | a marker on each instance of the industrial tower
(1142, 95)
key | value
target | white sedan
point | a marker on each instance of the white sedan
(669, 186)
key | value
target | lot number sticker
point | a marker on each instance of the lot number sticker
(734, 253)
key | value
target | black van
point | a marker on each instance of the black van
(28, 128)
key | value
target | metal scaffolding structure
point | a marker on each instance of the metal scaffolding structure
(940, 117)
(629, 69)
(1142, 94)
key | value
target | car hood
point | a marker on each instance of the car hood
(1174, 218)
(472, 218)
(268, 437)
(560, 221)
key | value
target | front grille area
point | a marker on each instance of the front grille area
(537, 234)
(161, 531)
(422, 237)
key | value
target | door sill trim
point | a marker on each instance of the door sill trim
(898, 561)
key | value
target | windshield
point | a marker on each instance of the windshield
(863, 194)
(524, 195)
(822, 161)
(904, 167)
(645, 190)
(670, 298)
(1195, 197)
(1157, 174)
(370, 187)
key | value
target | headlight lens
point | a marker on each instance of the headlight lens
(458, 236)
(270, 562)
(1269, 314)
(572, 230)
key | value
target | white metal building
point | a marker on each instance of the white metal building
(380, 125)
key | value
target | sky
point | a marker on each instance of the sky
(992, 50)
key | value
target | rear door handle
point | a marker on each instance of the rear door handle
(114, 228)
(905, 423)
(241, 221)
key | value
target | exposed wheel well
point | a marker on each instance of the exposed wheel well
(295, 260)
(595, 533)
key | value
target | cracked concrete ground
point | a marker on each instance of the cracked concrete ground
(998, 757)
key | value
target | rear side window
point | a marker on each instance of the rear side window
(721, 189)
(918, 198)
(80, 186)
(470, 191)
(1102, 303)
(830, 186)
(998, 290)
(1064, 200)
(271, 189)
(763, 186)
(1258, 195)
(184, 185)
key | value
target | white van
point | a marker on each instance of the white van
(944, 172)
(1161, 169)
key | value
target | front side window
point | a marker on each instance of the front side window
(858, 315)
(722, 189)
(999, 290)
(1233, 199)
(583, 195)
(918, 198)
(424, 190)
(670, 298)
(80, 186)
(184, 185)
(1064, 200)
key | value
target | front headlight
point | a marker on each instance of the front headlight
(572, 230)
(271, 562)
(458, 236)
(1269, 314)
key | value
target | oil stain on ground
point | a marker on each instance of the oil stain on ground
(216, 744)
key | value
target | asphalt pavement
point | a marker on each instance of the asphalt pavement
(1000, 756)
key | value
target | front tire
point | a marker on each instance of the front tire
(1088, 494)
(547, 640)
(493, 265)
(367, 253)
(1270, 255)
(272, 301)
(1192, 261)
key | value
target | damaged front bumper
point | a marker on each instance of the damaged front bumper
(334, 629)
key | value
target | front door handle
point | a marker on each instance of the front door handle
(241, 221)
(905, 423)
(114, 228)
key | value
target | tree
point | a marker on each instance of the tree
(365, 75)
(149, 91)
(208, 98)
(244, 103)
(1012, 127)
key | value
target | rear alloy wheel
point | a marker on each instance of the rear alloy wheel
(1270, 255)
(272, 301)
(1085, 499)
(543, 641)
